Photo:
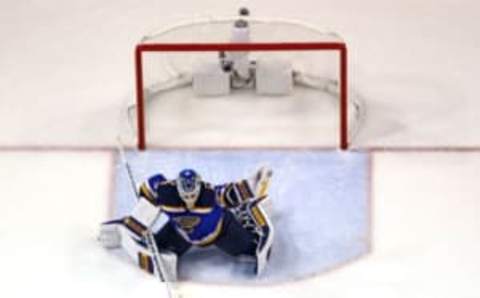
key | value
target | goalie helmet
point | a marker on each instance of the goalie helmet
(189, 186)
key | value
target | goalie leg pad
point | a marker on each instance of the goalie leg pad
(167, 259)
(253, 221)
(144, 257)
(169, 262)
(235, 240)
(266, 239)
(256, 220)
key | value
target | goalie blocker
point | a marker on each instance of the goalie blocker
(188, 211)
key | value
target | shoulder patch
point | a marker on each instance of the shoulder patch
(155, 180)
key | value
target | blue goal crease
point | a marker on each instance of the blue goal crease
(320, 202)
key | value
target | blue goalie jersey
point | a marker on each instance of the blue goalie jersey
(203, 223)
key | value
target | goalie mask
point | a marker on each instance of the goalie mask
(188, 186)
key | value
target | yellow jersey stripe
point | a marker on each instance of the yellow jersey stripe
(177, 209)
(145, 192)
(202, 210)
(209, 239)
(173, 209)
(212, 237)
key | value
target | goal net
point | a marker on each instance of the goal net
(243, 81)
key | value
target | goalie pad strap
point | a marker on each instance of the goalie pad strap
(244, 190)
(236, 193)
(145, 262)
(135, 226)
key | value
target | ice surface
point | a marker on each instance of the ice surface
(66, 72)
(414, 62)
(320, 201)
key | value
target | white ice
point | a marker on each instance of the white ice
(66, 69)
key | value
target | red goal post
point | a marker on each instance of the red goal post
(337, 46)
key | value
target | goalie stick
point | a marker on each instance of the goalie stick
(125, 163)
(149, 237)
(158, 264)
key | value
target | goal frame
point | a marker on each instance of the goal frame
(339, 47)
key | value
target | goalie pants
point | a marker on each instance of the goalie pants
(234, 239)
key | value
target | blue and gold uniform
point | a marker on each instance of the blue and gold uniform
(208, 221)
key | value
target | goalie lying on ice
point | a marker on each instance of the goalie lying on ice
(230, 216)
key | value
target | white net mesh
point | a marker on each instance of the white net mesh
(211, 30)
(309, 116)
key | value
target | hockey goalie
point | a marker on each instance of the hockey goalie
(171, 216)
